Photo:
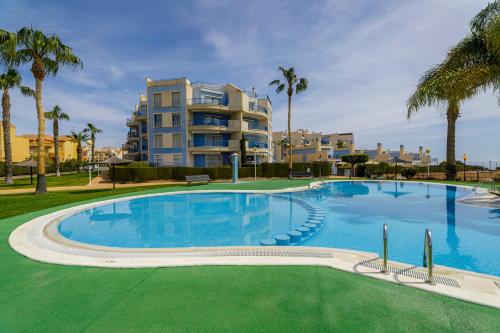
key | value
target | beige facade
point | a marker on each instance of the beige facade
(20, 145)
(380, 154)
(67, 146)
(312, 146)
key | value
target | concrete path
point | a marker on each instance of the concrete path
(97, 184)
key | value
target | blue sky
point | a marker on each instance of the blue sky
(362, 58)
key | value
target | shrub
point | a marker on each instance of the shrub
(409, 173)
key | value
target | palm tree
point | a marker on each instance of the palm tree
(470, 66)
(291, 82)
(92, 130)
(56, 115)
(79, 137)
(8, 80)
(45, 54)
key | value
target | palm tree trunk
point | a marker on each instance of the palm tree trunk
(452, 115)
(6, 136)
(56, 147)
(79, 155)
(93, 150)
(41, 185)
(290, 165)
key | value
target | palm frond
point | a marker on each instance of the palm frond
(27, 91)
(302, 85)
(481, 20)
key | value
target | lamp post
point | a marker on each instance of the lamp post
(465, 166)
(428, 152)
(255, 163)
(89, 143)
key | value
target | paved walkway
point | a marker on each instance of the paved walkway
(97, 184)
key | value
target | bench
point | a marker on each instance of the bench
(303, 174)
(198, 179)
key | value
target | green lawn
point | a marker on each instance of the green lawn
(52, 181)
(37, 297)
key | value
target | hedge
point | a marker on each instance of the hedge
(267, 170)
(66, 166)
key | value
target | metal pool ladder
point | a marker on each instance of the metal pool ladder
(427, 259)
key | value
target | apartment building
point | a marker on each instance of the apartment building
(198, 124)
(312, 146)
(380, 154)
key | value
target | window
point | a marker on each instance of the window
(176, 120)
(176, 98)
(177, 159)
(158, 141)
(157, 100)
(213, 160)
(176, 140)
(143, 108)
(157, 120)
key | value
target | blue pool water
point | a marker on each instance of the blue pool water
(464, 236)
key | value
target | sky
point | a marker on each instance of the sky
(362, 58)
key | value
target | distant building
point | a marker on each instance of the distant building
(384, 155)
(20, 145)
(26, 145)
(312, 146)
(184, 123)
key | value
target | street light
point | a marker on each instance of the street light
(89, 143)
(465, 166)
(428, 152)
(255, 163)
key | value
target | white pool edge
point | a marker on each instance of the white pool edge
(31, 240)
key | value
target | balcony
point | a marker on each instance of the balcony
(257, 108)
(258, 145)
(133, 150)
(249, 126)
(216, 145)
(131, 122)
(132, 136)
(141, 115)
(207, 101)
(217, 125)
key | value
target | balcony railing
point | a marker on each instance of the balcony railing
(207, 101)
(212, 143)
(258, 108)
(257, 145)
(133, 149)
(257, 127)
(132, 135)
(210, 122)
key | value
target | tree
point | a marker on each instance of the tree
(8, 80)
(92, 131)
(56, 115)
(354, 159)
(292, 83)
(469, 67)
(45, 54)
(79, 137)
(243, 148)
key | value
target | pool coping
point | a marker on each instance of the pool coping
(38, 239)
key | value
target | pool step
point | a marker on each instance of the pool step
(313, 224)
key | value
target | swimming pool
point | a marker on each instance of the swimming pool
(350, 215)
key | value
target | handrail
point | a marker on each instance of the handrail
(386, 250)
(492, 182)
(427, 259)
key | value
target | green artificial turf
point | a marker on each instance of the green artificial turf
(16, 204)
(73, 179)
(38, 297)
